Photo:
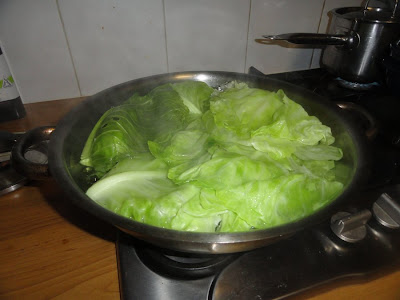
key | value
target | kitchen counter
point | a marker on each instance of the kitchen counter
(51, 249)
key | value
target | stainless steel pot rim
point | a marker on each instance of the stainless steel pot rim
(371, 15)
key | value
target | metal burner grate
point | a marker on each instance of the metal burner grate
(356, 85)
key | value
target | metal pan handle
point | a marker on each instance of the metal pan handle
(29, 154)
(372, 128)
(348, 41)
(394, 3)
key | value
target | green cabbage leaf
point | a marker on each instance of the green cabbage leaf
(187, 157)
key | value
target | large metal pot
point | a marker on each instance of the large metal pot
(67, 141)
(357, 41)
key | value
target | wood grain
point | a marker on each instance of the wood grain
(50, 249)
(41, 114)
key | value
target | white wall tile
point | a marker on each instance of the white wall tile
(33, 40)
(323, 27)
(113, 41)
(207, 34)
(277, 17)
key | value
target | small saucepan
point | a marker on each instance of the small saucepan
(358, 39)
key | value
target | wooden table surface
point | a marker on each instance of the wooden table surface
(50, 249)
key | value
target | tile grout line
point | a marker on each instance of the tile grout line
(69, 48)
(165, 35)
(319, 25)
(247, 39)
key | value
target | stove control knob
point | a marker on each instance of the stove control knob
(350, 227)
(387, 211)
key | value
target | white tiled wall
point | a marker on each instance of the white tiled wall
(67, 48)
(206, 34)
(34, 43)
(270, 17)
(114, 41)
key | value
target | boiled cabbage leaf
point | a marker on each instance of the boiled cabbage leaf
(124, 131)
(115, 136)
(188, 157)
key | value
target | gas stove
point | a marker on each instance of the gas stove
(361, 239)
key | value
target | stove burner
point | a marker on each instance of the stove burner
(183, 265)
(357, 86)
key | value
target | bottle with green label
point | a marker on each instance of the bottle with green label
(11, 106)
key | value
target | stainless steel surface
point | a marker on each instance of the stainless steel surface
(347, 40)
(66, 144)
(363, 63)
(372, 130)
(387, 211)
(350, 227)
(29, 155)
(356, 42)
(10, 180)
(395, 9)
(391, 4)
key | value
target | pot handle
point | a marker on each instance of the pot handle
(348, 41)
(372, 127)
(29, 154)
(394, 12)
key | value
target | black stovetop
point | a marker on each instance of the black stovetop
(310, 257)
